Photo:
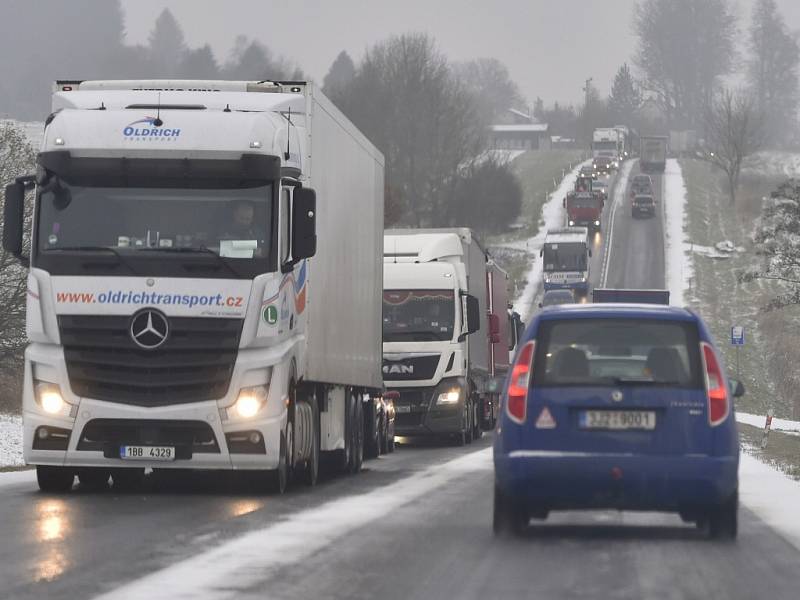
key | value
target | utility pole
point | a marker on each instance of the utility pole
(586, 89)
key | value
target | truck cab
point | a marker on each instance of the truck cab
(436, 332)
(585, 209)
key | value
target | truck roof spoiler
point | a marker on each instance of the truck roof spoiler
(631, 296)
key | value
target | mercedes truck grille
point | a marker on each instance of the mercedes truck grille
(195, 363)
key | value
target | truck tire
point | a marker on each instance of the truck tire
(469, 426)
(357, 454)
(477, 419)
(276, 481)
(309, 472)
(54, 480)
(93, 478)
(372, 431)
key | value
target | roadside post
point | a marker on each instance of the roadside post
(767, 428)
(737, 340)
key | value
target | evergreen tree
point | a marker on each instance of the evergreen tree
(625, 98)
(340, 75)
(772, 70)
(199, 64)
(167, 46)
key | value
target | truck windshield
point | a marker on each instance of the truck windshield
(565, 257)
(617, 351)
(604, 145)
(418, 315)
(146, 223)
(582, 201)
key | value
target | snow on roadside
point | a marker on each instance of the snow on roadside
(10, 441)
(678, 267)
(782, 425)
(773, 496)
(553, 216)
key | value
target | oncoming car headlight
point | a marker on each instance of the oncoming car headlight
(249, 403)
(50, 400)
(451, 396)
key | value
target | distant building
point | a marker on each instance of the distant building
(526, 136)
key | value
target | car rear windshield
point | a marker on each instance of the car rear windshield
(617, 352)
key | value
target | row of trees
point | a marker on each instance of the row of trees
(430, 118)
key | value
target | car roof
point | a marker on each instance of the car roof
(613, 310)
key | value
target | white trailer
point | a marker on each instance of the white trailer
(191, 299)
(436, 336)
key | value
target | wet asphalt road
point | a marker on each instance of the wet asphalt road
(435, 544)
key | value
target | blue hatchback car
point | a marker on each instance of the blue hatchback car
(623, 406)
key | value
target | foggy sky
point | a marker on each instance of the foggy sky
(549, 46)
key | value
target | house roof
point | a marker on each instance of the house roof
(527, 128)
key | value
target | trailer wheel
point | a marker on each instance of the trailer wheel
(477, 418)
(372, 434)
(357, 453)
(54, 480)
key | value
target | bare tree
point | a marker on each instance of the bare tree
(489, 81)
(734, 129)
(684, 47)
(408, 102)
(772, 69)
(16, 158)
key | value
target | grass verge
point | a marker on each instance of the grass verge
(782, 451)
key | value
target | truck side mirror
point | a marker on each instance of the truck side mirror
(13, 219)
(473, 314)
(494, 329)
(304, 224)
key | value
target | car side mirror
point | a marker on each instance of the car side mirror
(304, 223)
(473, 314)
(14, 219)
(737, 388)
(541, 305)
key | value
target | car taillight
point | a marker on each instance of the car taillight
(518, 384)
(716, 390)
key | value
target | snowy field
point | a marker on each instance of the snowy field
(773, 163)
(782, 425)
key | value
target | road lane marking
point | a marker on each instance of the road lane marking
(225, 571)
(619, 198)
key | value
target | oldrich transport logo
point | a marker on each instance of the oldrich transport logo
(149, 328)
(145, 130)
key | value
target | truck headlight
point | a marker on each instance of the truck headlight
(49, 398)
(451, 396)
(249, 403)
(597, 223)
(571, 223)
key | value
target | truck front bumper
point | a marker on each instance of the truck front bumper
(200, 438)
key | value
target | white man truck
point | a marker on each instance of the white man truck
(438, 332)
(565, 259)
(192, 299)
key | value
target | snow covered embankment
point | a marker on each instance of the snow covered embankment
(773, 496)
(10, 441)
(678, 267)
(553, 216)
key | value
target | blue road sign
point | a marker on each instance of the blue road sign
(737, 335)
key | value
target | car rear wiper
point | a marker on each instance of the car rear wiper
(120, 258)
(208, 251)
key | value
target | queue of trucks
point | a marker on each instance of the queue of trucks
(210, 287)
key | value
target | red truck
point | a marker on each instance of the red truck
(584, 208)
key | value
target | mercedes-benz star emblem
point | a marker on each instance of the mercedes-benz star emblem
(616, 396)
(149, 329)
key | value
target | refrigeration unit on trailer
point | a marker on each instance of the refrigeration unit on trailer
(190, 297)
(565, 259)
(436, 336)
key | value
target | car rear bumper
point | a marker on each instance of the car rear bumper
(564, 480)
(580, 287)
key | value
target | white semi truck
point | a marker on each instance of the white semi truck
(440, 331)
(607, 143)
(205, 282)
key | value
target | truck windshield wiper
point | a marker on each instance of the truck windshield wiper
(208, 251)
(120, 258)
